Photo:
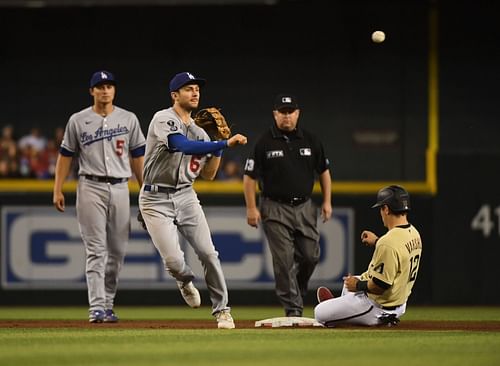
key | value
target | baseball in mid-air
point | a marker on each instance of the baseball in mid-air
(378, 36)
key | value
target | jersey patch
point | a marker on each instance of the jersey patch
(305, 151)
(275, 154)
(172, 125)
(249, 165)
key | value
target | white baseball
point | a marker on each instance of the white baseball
(378, 36)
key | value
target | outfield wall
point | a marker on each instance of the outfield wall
(467, 229)
(43, 258)
(460, 227)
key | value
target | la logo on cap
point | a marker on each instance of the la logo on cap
(190, 75)
(103, 75)
(286, 100)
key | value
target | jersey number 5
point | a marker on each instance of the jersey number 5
(414, 262)
(119, 147)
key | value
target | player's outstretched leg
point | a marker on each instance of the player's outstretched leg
(323, 294)
(190, 293)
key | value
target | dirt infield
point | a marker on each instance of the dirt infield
(493, 326)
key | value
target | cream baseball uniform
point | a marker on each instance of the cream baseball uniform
(395, 261)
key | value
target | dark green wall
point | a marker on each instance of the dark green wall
(350, 89)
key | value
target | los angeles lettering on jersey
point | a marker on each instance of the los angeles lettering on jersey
(413, 245)
(101, 134)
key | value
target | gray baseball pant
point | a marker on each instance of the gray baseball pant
(103, 212)
(168, 214)
(293, 238)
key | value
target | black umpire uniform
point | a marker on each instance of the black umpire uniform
(285, 165)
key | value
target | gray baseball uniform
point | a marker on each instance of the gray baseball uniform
(170, 205)
(102, 145)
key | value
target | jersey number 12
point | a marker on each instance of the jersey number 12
(414, 262)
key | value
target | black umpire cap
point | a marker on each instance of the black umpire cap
(396, 197)
(285, 102)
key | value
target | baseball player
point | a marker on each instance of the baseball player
(380, 294)
(177, 152)
(109, 144)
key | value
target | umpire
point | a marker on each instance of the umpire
(286, 161)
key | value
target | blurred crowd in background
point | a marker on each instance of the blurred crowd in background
(34, 156)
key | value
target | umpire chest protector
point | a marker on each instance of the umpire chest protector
(286, 163)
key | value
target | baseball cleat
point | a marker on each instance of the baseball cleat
(96, 316)
(224, 320)
(389, 319)
(110, 316)
(190, 294)
(323, 294)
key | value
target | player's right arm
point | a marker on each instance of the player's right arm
(63, 166)
(179, 142)
(209, 171)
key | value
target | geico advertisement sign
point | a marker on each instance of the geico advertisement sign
(42, 248)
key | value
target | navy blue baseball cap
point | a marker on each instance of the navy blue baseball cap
(101, 77)
(185, 78)
(285, 101)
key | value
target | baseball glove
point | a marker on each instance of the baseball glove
(213, 122)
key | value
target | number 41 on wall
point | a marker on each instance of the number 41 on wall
(483, 221)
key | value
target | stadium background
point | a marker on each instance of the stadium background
(418, 109)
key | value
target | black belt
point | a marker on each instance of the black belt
(160, 189)
(390, 307)
(109, 180)
(294, 201)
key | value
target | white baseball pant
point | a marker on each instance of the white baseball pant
(354, 308)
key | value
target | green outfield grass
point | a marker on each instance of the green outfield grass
(451, 313)
(276, 347)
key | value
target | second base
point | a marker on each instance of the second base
(287, 321)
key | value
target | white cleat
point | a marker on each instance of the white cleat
(190, 294)
(224, 320)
